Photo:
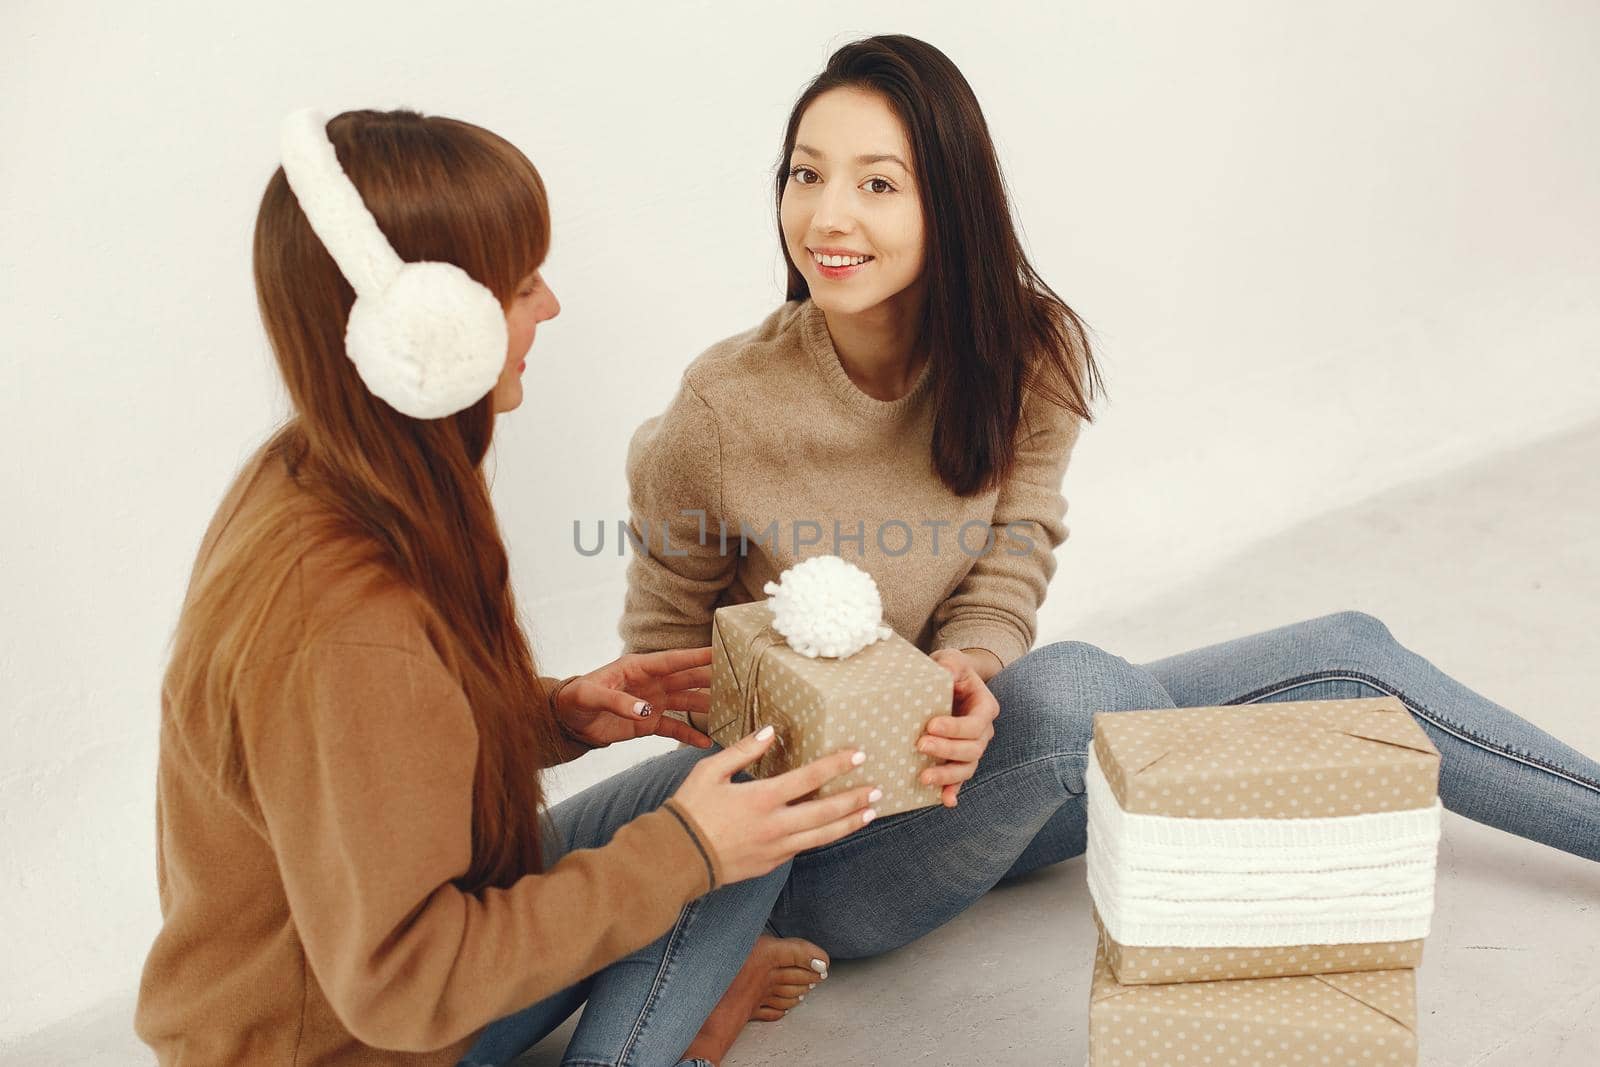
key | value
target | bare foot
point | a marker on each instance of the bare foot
(776, 977)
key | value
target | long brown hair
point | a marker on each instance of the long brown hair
(397, 497)
(991, 327)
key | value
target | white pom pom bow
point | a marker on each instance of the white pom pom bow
(827, 607)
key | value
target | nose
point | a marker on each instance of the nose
(552, 306)
(833, 210)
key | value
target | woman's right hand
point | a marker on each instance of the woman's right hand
(756, 826)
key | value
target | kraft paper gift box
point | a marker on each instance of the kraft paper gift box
(1262, 840)
(1367, 1018)
(879, 699)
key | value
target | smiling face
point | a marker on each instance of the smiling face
(533, 303)
(851, 212)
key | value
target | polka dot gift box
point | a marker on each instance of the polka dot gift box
(1262, 840)
(1367, 1018)
(826, 681)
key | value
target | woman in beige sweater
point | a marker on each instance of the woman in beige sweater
(912, 408)
(355, 861)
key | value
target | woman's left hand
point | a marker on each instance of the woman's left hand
(625, 698)
(961, 738)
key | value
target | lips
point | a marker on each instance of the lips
(838, 264)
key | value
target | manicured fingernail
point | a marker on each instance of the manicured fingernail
(874, 796)
(765, 732)
(819, 966)
(801, 997)
(642, 709)
(858, 759)
(867, 816)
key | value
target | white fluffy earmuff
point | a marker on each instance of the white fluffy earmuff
(425, 337)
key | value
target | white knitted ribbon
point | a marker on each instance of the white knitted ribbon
(1157, 880)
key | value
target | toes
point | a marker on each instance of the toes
(793, 991)
(766, 1015)
(802, 953)
(795, 976)
(780, 1003)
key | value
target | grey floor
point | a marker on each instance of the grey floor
(1493, 572)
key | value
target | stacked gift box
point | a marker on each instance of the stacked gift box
(1262, 879)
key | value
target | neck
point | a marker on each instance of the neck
(878, 347)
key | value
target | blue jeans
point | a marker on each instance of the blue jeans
(645, 1008)
(907, 874)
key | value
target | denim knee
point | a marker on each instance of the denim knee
(1079, 673)
(1352, 640)
(1048, 700)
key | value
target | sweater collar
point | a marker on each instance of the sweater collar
(816, 340)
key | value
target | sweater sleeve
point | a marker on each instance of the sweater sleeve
(996, 605)
(675, 489)
(365, 786)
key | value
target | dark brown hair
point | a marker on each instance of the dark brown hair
(991, 326)
(394, 496)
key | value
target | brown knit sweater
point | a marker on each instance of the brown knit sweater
(768, 428)
(311, 918)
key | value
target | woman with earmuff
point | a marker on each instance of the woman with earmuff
(355, 861)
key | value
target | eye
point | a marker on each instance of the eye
(879, 185)
(803, 175)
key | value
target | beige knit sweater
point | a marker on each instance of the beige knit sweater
(768, 438)
(312, 916)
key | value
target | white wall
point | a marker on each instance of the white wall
(1326, 248)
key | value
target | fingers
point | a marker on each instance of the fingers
(962, 728)
(957, 751)
(947, 795)
(678, 730)
(979, 702)
(739, 755)
(672, 661)
(696, 700)
(947, 773)
(594, 695)
(798, 818)
(829, 832)
(693, 678)
(967, 679)
(816, 774)
(968, 687)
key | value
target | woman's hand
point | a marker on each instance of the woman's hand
(960, 738)
(755, 826)
(625, 698)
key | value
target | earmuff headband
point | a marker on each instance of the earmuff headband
(426, 338)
